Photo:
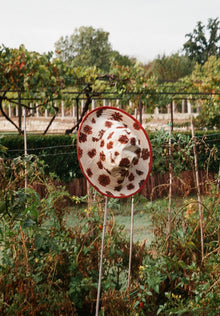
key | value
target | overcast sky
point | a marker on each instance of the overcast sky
(138, 28)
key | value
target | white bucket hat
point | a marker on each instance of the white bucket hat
(114, 152)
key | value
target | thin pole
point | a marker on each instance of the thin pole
(170, 175)
(131, 240)
(198, 190)
(101, 257)
(25, 148)
(170, 191)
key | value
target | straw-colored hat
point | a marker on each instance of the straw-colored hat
(114, 152)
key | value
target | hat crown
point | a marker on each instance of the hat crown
(121, 150)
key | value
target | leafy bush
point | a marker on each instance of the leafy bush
(46, 266)
(174, 279)
(57, 151)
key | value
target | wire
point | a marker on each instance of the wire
(40, 148)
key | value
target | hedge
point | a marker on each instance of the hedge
(59, 151)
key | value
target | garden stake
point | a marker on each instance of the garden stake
(198, 190)
(101, 257)
(131, 240)
(170, 183)
(25, 148)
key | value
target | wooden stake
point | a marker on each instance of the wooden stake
(25, 148)
(131, 240)
(101, 257)
(198, 190)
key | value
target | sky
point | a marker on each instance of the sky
(143, 29)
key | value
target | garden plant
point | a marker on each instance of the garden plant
(49, 265)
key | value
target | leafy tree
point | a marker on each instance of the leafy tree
(202, 44)
(28, 75)
(207, 78)
(171, 68)
(86, 47)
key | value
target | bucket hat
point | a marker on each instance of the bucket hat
(114, 152)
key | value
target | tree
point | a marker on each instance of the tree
(29, 76)
(171, 68)
(86, 47)
(207, 78)
(202, 44)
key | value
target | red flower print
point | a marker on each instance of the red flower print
(131, 177)
(99, 113)
(102, 143)
(102, 156)
(89, 172)
(87, 129)
(130, 186)
(92, 153)
(136, 126)
(104, 180)
(118, 188)
(110, 145)
(139, 172)
(117, 116)
(133, 141)
(123, 139)
(108, 124)
(110, 135)
(145, 154)
(82, 137)
(125, 162)
(100, 165)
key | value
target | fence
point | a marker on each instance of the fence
(156, 187)
(38, 120)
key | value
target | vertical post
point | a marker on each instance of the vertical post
(101, 257)
(19, 110)
(25, 147)
(62, 109)
(131, 240)
(171, 115)
(93, 104)
(77, 110)
(170, 187)
(82, 105)
(198, 190)
(9, 110)
(140, 110)
(170, 176)
(37, 110)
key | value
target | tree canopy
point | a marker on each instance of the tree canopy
(203, 42)
(172, 68)
(86, 47)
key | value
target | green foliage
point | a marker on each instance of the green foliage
(29, 72)
(58, 153)
(86, 47)
(173, 278)
(199, 46)
(172, 68)
(208, 77)
(49, 265)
